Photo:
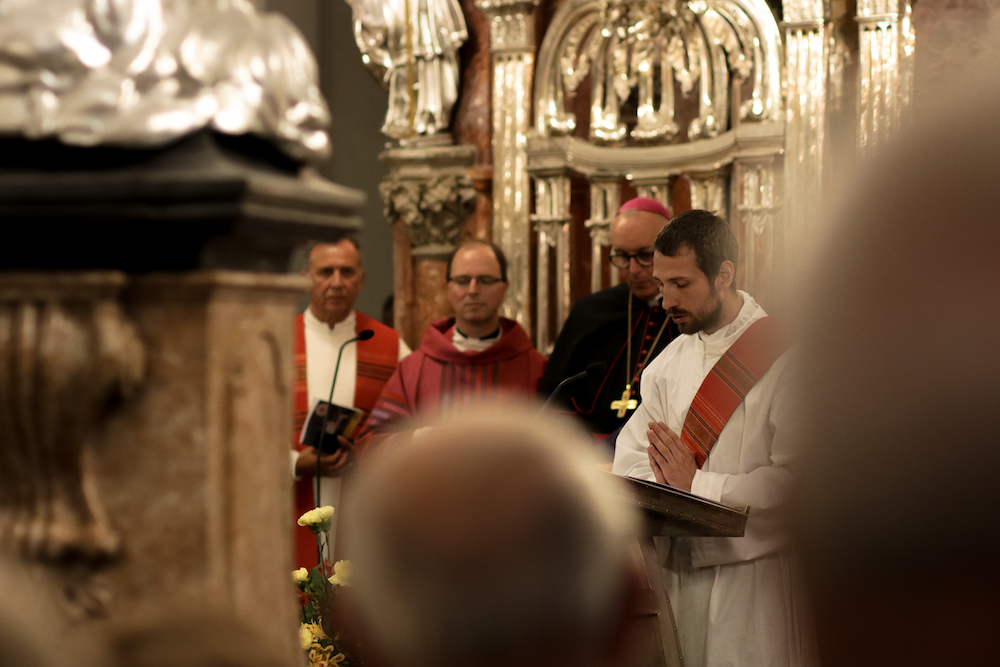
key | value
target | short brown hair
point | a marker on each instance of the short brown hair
(708, 235)
(501, 258)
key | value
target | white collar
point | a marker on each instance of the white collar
(727, 335)
(348, 324)
(463, 343)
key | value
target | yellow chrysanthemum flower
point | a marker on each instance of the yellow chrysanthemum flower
(305, 636)
(317, 519)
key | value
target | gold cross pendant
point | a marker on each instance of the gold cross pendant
(624, 405)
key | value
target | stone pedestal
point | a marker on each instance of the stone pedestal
(146, 372)
(194, 472)
(429, 197)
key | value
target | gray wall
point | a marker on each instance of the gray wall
(357, 103)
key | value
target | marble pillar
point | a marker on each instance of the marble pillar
(429, 198)
(512, 45)
(195, 469)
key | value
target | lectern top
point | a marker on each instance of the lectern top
(670, 512)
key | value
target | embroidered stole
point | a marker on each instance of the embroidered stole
(728, 383)
(377, 359)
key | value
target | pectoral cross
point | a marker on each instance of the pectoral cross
(625, 404)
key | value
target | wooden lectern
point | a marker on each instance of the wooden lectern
(670, 512)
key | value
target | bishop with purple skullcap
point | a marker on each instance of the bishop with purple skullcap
(623, 327)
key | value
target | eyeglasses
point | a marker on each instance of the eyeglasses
(485, 281)
(622, 259)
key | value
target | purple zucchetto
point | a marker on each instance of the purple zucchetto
(646, 204)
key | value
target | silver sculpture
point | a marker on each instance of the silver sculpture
(141, 73)
(412, 47)
(647, 45)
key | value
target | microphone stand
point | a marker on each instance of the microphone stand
(594, 368)
(362, 335)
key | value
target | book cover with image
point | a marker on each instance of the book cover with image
(341, 421)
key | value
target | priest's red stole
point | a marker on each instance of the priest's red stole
(377, 358)
(728, 383)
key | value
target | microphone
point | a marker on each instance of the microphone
(364, 334)
(592, 369)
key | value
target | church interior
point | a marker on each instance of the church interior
(170, 171)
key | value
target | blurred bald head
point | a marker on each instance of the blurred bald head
(904, 373)
(488, 540)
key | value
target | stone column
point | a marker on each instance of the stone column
(480, 224)
(806, 68)
(512, 45)
(67, 352)
(605, 200)
(708, 191)
(428, 198)
(552, 220)
(756, 203)
(658, 189)
(885, 92)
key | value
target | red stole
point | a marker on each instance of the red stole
(377, 359)
(728, 383)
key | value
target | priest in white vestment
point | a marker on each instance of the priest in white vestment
(734, 599)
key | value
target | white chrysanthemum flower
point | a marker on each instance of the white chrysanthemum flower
(341, 573)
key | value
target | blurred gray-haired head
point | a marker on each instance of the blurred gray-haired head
(490, 538)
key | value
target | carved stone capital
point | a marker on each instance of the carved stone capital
(600, 231)
(429, 192)
(549, 229)
(800, 13)
(512, 27)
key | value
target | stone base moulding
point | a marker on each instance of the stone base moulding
(145, 425)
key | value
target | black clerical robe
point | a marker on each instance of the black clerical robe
(596, 331)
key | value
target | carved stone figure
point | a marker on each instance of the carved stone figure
(68, 355)
(142, 73)
(412, 47)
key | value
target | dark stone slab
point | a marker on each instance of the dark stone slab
(207, 201)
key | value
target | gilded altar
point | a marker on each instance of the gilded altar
(743, 107)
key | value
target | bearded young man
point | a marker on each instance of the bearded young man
(623, 326)
(475, 356)
(715, 421)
